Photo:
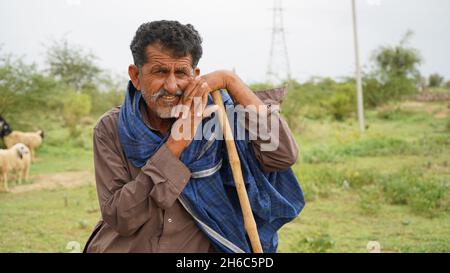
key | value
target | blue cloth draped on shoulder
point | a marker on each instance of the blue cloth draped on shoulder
(210, 196)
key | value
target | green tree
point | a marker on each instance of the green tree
(435, 80)
(399, 61)
(395, 75)
(72, 65)
(24, 91)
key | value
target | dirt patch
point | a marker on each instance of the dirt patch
(412, 105)
(434, 110)
(433, 96)
(56, 180)
(442, 114)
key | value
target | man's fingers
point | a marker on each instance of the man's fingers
(194, 98)
(201, 99)
(190, 88)
(190, 93)
(205, 96)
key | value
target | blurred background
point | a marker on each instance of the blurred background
(381, 177)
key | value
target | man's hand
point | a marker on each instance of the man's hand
(191, 110)
(238, 90)
(190, 113)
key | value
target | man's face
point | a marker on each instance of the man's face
(163, 79)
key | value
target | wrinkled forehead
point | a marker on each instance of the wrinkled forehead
(156, 54)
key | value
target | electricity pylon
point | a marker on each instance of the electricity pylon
(279, 67)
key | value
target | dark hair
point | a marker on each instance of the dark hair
(180, 39)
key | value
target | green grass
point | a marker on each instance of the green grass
(396, 189)
(60, 152)
(51, 160)
(390, 184)
(39, 221)
(340, 217)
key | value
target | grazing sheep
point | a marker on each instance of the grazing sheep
(12, 137)
(22, 165)
(17, 158)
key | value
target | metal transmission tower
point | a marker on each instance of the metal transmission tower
(278, 68)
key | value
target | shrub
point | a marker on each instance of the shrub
(343, 101)
(318, 242)
(398, 188)
(430, 197)
(75, 106)
(360, 178)
(424, 196)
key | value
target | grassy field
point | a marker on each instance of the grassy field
(391, 184)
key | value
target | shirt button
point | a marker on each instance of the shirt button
(169, 220)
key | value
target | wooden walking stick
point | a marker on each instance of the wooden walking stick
(249, 220)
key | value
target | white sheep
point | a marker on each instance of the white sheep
(15, 159)
(31, 139)
(12, 137)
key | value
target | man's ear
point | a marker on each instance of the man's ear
(133, 72)
(196, 71)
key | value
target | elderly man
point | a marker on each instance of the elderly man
(161, 189)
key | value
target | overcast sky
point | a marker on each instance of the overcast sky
(236, 33)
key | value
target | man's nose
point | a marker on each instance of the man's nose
(171, 84)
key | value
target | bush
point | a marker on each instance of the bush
(394, 89)
(76, 106)
(340, 106)
(424, 196)
(103, 101)
(398, 188)
(360, 178)
(343, 101)
(320, 242)
(374, 93)
(430, 197)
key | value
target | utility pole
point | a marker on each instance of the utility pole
(278, 68)
(359, 91)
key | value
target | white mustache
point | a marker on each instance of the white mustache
(163, 92)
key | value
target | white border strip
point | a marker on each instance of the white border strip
(207, 172)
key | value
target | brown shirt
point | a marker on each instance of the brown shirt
(139, 207)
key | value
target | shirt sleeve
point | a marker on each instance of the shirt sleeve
(286, 152)
(126, 203)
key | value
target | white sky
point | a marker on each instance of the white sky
(236, 33)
